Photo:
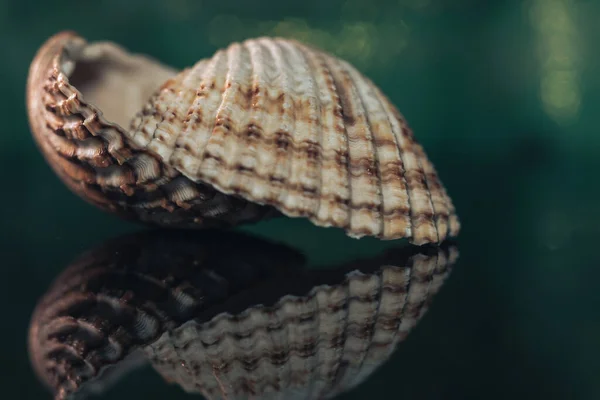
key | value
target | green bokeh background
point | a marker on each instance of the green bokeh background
(504, 97)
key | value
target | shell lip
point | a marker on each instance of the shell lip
(44, 64)
(56, 59)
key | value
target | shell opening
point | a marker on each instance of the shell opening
(114, 81)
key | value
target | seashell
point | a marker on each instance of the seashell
(255, 322)
(271, 122)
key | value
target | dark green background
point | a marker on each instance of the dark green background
(503, 95)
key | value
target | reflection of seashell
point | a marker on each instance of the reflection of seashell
(270, 121)
(309, 347)
(229, 324)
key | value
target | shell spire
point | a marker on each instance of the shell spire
(269, 122)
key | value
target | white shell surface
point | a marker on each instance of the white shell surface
(282, 124)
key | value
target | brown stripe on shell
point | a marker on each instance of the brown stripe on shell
(439, 200)
(244, 134)
(424, 224)
(447, 214)
(390, 166)
(260, 156)
(333, 148)
(172, 121)
(421, 210)
(191, 143)
(305, 159)
(230, 116)
(146, 120)
(364, 181)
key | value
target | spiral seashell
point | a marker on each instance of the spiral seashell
(254, 322)
(270, 122)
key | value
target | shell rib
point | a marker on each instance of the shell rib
(228, 324)
(94, 157)
(263, 127)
